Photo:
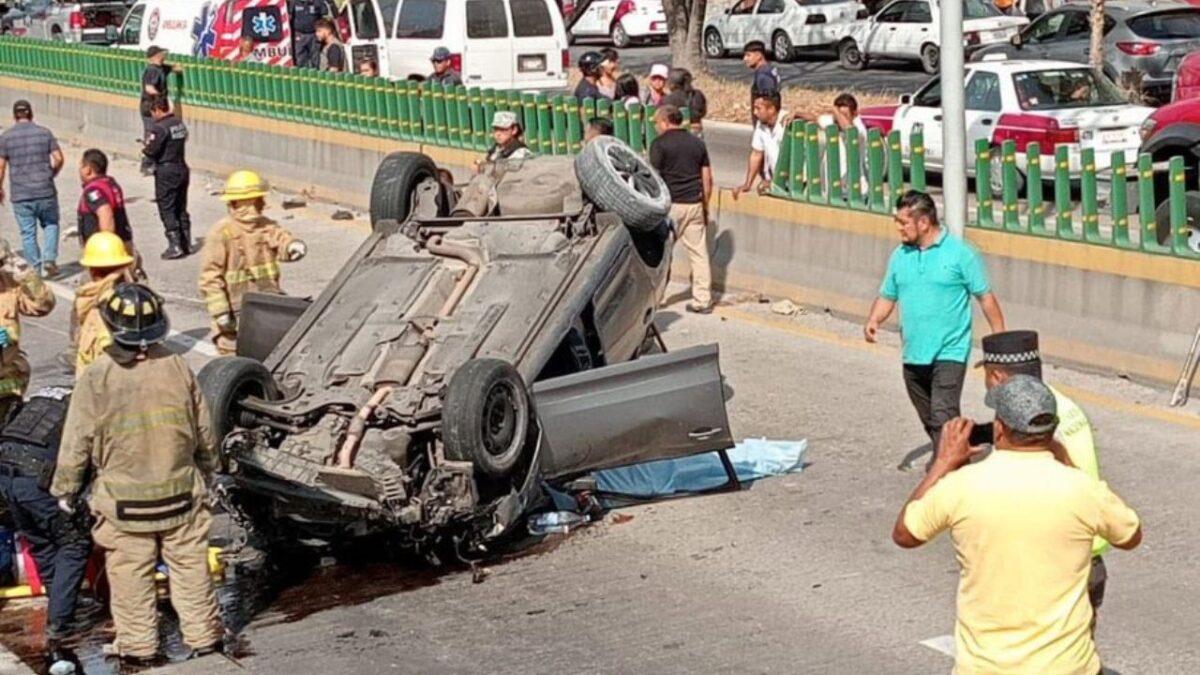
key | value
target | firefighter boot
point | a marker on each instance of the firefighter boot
(175, 249)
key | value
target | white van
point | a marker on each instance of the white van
(500, 44)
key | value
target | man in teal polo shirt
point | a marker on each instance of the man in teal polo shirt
(932, 275)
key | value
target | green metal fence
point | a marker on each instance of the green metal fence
(869, 176)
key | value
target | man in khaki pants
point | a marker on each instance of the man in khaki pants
(682, 161)
(138, 419)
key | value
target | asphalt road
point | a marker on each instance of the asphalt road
(793, 575)
(817, 70)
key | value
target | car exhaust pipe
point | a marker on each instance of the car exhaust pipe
(469, 255)
(358, 427)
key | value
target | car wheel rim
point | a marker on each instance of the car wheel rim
(713, 44)
(782, 47)
(1193, 239)
(996, 178)
(632, 171)
(500, 419)
(851, 55)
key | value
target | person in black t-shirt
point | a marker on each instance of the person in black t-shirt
(154, 84)
(766, 76)
(167, 149)
(588, 87)
(682, 161)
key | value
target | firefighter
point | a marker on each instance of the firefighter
(242, 253)
(60, 544)
(166, 146)
(108, 263)
(22, 292)
(137, 418)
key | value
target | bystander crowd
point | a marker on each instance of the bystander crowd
(332, 56)
(656, 85)
(682, 161)
(627, 91)
(304, 17)
(610, 70)
(683, 94)
(932, 275)
(1023, 525)
(30, 155)
(443, 69)
(368, 68)
(589, 69)
(770, 127)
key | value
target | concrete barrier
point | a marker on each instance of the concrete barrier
(1096, 307)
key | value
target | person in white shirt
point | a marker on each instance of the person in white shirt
(770, 129)
(845, 116)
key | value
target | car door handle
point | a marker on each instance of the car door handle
(987, 121)
(703, 434)
(937, 118)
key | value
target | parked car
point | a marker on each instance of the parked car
(86, 21)
(784, 26)
(910, 30)
(622, 21)
(1174, 131)
(1052, 103)
(210, 28)
(1143, 41)
(1186, 82)
(480, 341)
(501, 44)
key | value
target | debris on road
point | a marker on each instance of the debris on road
(294, 203)
(786, 307)
(555, 522)
(342, 214)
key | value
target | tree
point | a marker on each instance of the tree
(1097, 47)
(685, 29)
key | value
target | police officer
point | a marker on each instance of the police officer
(166, 147)
(305, 14)
(155, 80)
(242, 253)
(59, 542)
(22, 292)
(138, 418)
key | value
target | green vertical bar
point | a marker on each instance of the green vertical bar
(1178, 201)
(781, 175)
(621, 122)
(545, 114)
(1119, 201)
(875, 167)
(1012, 216)
(533, 136)
(574, 129)
(462, 96)
(1091, 203)
(895, 165)
(636, 134)
(1037, 204)
(854, 168)
(983, 183)
(917, 158)
(489, 111)
(428, 118)
(812, 163)
(833, 166)
(454, 132)
(1062, 193)
(473, 123)
(796, 140)
(1147, 204)
(560, 108)
(441, 113)
(651, 130)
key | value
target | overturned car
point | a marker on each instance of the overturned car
(483, 339)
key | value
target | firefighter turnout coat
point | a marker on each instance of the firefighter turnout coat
(29, 298)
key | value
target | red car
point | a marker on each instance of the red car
(1174, 131)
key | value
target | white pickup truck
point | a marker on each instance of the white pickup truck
(83, 21)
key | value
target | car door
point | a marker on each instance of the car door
(537, 48)
(420, 28)
(488, 56)
(983, 107)
(924, 111)
(883, 31)
(1035, 39)
(592, 22)
(1073, 42)
(917, 30)
(767, 17)
(737, 25)
(664, 406)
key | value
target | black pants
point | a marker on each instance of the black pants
(171, 190)
(147, 125)
(936, 392)
(306, 51)
(60, 547)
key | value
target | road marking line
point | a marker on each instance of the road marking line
(181, 340)
(1087, 396)
(943, 644)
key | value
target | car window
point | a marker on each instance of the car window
(387, 10)
(771, 7)
(531, 18)
(133, 25)
(894, 13)
(918, 12)
(1045, 29)
(1077, 27)
(1181, 24)
(743, 7)
(930, 95)
(979, 9)
(421, 19)
(486, 19)
(366, 25)
(983, 92)
(1068, 88)
(806, 3)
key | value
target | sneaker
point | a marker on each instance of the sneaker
(61, 660)
(697, 308)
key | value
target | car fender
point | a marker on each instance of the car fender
(1173, 139)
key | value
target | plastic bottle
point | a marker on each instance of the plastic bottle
(555, 522)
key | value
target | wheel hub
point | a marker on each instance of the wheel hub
(632, 172)
(499, 419)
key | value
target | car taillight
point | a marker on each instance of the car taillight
(1139, 48)
(566, 60)
(456, 62)
(1062, 136)
(1025, 129)
(625, 7)
(971, 38)
(78, 20)
(815, 18)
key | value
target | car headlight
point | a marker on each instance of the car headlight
(1148, 127)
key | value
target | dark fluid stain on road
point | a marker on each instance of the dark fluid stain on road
(266, 592)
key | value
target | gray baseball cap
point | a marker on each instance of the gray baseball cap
(1024, 403)
(440, 54)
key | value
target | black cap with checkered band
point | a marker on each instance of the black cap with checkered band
(1010, 348)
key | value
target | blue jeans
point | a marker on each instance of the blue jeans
(29, 215)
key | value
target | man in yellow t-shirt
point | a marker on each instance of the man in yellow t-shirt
(1023, 523)
(1016, 352)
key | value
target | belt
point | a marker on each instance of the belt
(21, 467)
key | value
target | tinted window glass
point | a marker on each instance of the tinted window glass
(771, 7)
(930, 96)
(1182, 24)
(387, 10)
(979, 9)
(486, 19)
(365, 25)
(894, 13)
(421, 19)
(133, 25)
(531, 18)
(1078, 26)
(918, 12)
(983, 92)
(1045, 28)
(1058, 89)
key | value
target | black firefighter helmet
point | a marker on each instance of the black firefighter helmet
(135, 317)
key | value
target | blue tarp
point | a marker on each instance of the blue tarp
(752, 459)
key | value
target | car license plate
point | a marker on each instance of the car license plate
(1112, 136)
(531, 64)
(999, 35)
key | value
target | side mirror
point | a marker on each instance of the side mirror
(1016, 40)
(906, 99)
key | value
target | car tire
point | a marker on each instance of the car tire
(1162, 221)
(931, 56)
(714, 46)
(395, 184)
(996, 179)
(850, 57)
(487, 417)
(620, 38)
(618, 180)
(781, 47)
(227, 381)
